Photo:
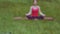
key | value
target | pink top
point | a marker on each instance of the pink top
(35, 11)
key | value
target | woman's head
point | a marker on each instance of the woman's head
(34, 2)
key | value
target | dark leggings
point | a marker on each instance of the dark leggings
(36, 17)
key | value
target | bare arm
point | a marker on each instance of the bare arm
(41, 12)
(29, 13)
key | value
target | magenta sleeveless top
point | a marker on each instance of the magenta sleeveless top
(35, 11)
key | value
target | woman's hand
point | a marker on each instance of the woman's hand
(43, 15)
(26, 14)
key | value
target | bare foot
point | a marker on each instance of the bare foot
(17, 18)
(26, 18)
(48, 18)
(20, 18)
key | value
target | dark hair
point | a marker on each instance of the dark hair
(36, 0)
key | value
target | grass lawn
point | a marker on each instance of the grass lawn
(9, 9)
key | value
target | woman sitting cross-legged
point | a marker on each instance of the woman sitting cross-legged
(35, 11)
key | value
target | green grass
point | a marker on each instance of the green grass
(9, 9)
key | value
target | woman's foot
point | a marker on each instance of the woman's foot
(17, 18)
(48, 18)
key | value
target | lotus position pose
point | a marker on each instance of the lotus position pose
(35, 11)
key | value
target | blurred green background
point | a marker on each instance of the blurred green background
(12, 8)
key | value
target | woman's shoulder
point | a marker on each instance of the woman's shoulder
(35, 6)
(32, 6)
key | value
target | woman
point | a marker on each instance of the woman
(35, 11)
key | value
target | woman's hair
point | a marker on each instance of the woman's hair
(34, 0)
